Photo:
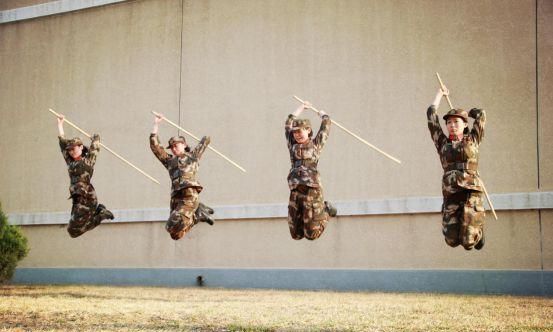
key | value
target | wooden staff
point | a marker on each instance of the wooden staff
(352, 134)
(105, 147)
(197, 139)
(488, 198)
(481, 181)
(442, 86)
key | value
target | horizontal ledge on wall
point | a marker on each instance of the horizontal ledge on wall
(50, 8)
(515, 282)
(407, 205)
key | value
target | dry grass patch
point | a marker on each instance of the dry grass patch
(97, 308)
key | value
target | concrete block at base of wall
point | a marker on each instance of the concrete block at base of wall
(514, 282)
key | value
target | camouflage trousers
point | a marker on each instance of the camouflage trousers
(86, 213)
(307, 215)
(463, 219)
(183, 207)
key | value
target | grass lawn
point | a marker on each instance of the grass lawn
(99, 308)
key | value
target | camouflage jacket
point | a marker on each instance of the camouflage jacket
(459, 158)
(182, 170)
(304, 157)
(80, 171)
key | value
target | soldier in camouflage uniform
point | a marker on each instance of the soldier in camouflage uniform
(462, 210)
(86, 213)
(186, 210)
(308, 213)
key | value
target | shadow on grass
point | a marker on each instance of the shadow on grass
(80, 295)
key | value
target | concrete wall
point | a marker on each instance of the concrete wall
(228, 69)
(545, 99)
(350, 243)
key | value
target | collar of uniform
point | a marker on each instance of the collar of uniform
(456, 138)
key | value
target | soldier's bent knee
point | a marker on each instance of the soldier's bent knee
(177, 235)
(313, 235)
(452, 242)
(472, 236)
(74, 232)
(296, 236)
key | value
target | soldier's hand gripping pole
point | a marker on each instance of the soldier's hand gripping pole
(353, 134)
(105, 147)
(442, 86)
(481, 181)
(197, 139)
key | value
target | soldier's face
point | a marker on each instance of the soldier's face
(455, 125)
(301, 135)
(75, 151)
(178, 148)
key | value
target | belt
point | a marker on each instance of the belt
(303, 162)
(462, 166)
(186, 177)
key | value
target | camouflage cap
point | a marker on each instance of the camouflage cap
(458, 113)
(72, 142)
(301, 123)
(176, 139)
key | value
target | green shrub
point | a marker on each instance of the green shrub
(13, 247)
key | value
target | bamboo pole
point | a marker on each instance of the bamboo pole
(105, 147)
(442, 86)
(353, 134)
(197, 139)
(481, 181)
(488, 199)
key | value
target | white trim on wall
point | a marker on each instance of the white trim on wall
(50, 8)
(407, 205)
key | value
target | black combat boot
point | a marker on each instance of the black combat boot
(206, 208)
(330, 209)
(481, 243)
(103, 213)
(203, 214)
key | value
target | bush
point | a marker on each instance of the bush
(13, 247)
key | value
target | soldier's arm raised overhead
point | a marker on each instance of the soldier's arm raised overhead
(324, 130)
(156, 148)
(288, 125)
(62, 140)
(290, 119)
(436, 132)
(61, 120)
(94, 150)
(200, 148)
(479, 116)
(288, 130)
